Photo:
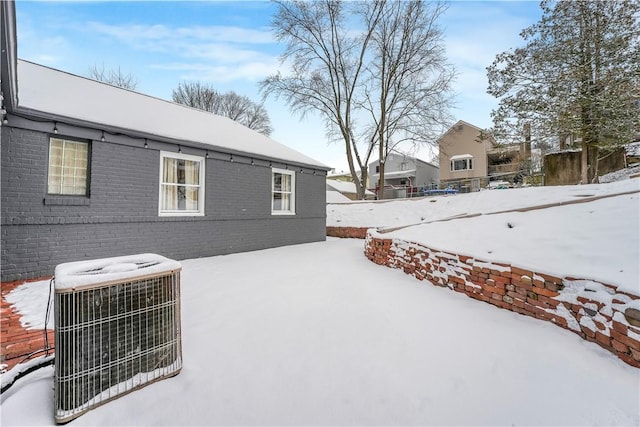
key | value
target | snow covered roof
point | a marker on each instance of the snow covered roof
(344, 187)
(398, 174)
(633, 149)
(462, 157)
(337, 197)
(53, 93)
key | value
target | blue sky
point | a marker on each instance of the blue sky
(229, 45)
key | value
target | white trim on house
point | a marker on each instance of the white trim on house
(291, 192)
(201, 183)
(461, 164)
(461, 157)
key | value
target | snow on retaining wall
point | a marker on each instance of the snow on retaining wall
(598, 312)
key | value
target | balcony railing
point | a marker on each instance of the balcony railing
(504, 168)
(504, 149)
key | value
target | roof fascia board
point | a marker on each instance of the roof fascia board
(27, 113)
(8, 54)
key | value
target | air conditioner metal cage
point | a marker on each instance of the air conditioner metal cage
(117, 329)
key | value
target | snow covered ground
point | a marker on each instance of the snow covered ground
(316, 334)
(392, 213)
(596, 240)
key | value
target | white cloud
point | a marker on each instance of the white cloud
(213, 53)
(133, 33)
(251, 70)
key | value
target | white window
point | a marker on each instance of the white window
(283, 192)
(68, 166)
(181, 185)
(461, 163)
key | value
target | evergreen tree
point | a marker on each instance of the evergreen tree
(577, 77)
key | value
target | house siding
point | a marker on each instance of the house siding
(459, 141)
(426, 174)
(120, 216)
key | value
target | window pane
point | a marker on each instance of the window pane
(180, 187)
(277, 182)
(286, 182)
(282, 193)
(460, 164)
(54, 184)
(192, 172)
(169, 198)
(192, 198)
(182, 203)
(68, 161)
(285, 202)
(170, 170)
(277, 201)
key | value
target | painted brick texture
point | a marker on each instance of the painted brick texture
(120, 216)
(593, 310)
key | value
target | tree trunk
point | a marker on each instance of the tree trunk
(382, 162)
(364, 175)
(594, 152)
(584, 166)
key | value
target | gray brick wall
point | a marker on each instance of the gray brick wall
(121, 215)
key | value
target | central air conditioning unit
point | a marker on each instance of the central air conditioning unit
(117, 329)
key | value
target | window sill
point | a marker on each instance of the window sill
(180, 214)
(67, 201)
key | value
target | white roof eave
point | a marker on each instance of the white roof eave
(461, 157)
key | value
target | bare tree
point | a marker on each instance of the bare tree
(114, 77)
(327, 66)
(408, 80)
(196, 95)
(236, 107)
(368, 61)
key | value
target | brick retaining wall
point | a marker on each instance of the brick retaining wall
(16, 341)
(598, 312)
(347, 232)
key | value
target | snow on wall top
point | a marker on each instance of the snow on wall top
(633, 149)
(83, 273)
(63, 94)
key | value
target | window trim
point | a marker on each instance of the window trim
(61, 196)
(468, 161)
(292, 174)
(201, 187)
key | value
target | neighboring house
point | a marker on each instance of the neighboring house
(347, 189)
(334, 196)
(469, 160)
(404, 175)
(91, 171)
(340, 176)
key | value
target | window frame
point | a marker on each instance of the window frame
(292, 174)
(87, 185)
(201, 184)
(468, 162)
